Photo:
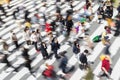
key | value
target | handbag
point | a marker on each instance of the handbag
(96, 38)
(99, 16)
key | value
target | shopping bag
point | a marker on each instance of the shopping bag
(82, 20)
(97, 38)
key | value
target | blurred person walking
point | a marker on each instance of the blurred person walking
(15, 40)
(55, 46)
(83, 59)
(34, 40)
(43, 49)
(49, 72)
(106, 69)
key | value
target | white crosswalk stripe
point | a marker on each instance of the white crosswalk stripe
(78, 74)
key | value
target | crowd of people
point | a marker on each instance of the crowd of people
(64, 23)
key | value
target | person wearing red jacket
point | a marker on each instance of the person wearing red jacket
(47, 27)
(49, 72)
(105, 68)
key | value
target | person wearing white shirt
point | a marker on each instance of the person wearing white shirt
(34, 40)
(26, 36)
(81, 31)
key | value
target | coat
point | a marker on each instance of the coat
(83, 58)
(76, 50)
(55, 46)
(43, 50)
(63, 63)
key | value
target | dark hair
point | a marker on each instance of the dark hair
(105, 27)
(75, 43)
(86, 51)
(37, 30)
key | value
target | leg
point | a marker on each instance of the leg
(16, 44)
(35, 44)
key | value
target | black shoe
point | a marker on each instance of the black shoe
(44, 58)
(57, 57)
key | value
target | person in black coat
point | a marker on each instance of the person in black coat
(109, 11)
(69, 24)
(16, 11)
(55, 46)
(76, 48)
(3, 10)
(25, 53)
(4, 59)
(43, 49)
(117, 31)
(63, 63)
(26, 15)
(100, 14)
(83, 59)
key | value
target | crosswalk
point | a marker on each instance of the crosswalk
(38, 62)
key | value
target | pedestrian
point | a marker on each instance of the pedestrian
(106, 70)
(49, 72)
(28, 61)
(25, 53)
(38, 35)
(83, 59)
(4, 59)
(76, 47)
(28, 65)
(63, 63)
(28, 24)
(35, 19)
(108, 44)
(100, 13)
(105, 37)
(3, 10)
(1, 21)
(26, 36)
(48, 28)
(69, 24)
(15, 40)
(14, 13)
(4, 44)
(43, 49)
(34, 40)
(118, 9)
(117, 25)
(88, 11)
(26, 15)
(55, 46)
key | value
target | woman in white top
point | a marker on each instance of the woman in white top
(34, 40)
(38, 34)
(26, 36)
(81, 31)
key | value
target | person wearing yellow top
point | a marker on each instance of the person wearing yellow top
(28, 24)
(103, 36)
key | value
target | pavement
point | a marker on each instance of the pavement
(38, 62)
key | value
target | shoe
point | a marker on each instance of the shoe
(57, 57)
(44, 58)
